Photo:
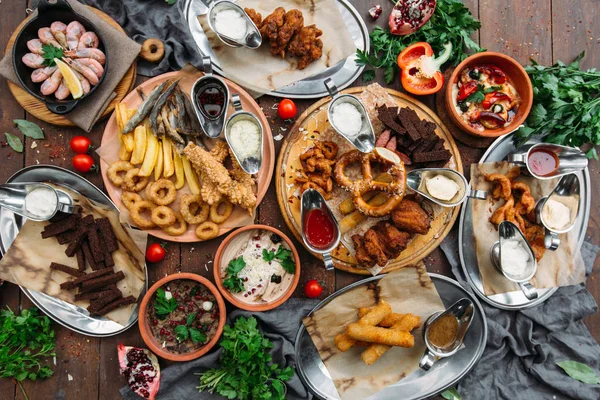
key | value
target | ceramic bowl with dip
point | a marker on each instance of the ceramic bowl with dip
(257, 268)
(233, 26)
(244, 134)
(443, 186)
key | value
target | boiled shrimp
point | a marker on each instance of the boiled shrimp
(33, 60)
(51, 84)
(35, 46)
(88, 40)
(74, 32)
(62, 92)
(41, 74)
(59, 30)
(83, 70)
(93, 65)
(85, 84)
(92, 53)
(47, 37)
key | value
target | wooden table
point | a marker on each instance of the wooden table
(87, 368)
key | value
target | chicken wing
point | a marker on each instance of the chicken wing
(375, 248)
(409, 216)
(293, 21)
(394, 240)
(256, 17)
(306, 45)
(361, 254)
(271, 25)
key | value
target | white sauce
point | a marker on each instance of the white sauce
(347, 118)
(514, 258)
(41, 202)
(231, 23)
(442, 187)
(556, 214)
(244, 138)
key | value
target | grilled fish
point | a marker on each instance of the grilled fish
(144, 109)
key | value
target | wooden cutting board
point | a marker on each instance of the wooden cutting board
(38, 109)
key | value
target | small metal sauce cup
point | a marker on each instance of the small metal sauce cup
(251, 40)
(12, 197)
(570, 159)
(312, 199)
(251, 164)
(212, 126)
(415, 180)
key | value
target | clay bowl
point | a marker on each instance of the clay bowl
(219, 262)
(144, 324)
(516, 76)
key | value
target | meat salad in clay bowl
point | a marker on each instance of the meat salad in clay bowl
(257, 268)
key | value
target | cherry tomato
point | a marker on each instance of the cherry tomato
(81, 144)
(313, 289)
(155, 253)
(83, 163)
(286, 109)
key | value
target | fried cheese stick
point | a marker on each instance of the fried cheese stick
(375, 334)
(372, 318)
(387, 322)
(406, 324)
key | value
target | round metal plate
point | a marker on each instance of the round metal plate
(468, 258)
(68, 315)
(418, 385)
(342, 74)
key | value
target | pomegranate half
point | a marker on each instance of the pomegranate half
(141, 369)
(409, 15)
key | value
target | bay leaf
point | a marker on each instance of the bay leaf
(14, 142)
(30, 129)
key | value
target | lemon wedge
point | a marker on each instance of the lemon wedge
(73, 84)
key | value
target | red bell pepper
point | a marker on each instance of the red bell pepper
(494, 73)
(492, 98)
(466, 90)
(421, 70)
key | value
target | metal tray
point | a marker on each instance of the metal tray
(468, 259)
(418, 385)
(68, 315)
(342, 74)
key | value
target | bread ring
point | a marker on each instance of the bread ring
(136, 214)
(115, 169)
(175, 230)
(207, 230)
(129, 198)
(133, 182)
(163, 216)
(215, 216)
(153, 50)
(169, 196)
(197, 216)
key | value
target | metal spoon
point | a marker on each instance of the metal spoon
(250, 164)
(416, 180)
(212, 124)
(364, 140)
(252, 38)
(13, 197)
(570, 159)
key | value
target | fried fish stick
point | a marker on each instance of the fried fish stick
(372, 318)
(406, 324)
(387, 322)
(347, 206)
(356, 217)
(375, 334)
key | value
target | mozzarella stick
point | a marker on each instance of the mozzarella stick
(387, 322)
(406, 324)
(372, 318)
(375, 334)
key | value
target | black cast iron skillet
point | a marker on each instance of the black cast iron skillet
(48, 12)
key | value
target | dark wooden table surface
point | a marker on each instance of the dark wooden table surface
(87, 368)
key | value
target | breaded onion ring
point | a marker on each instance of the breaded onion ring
(175, 230)
(133, 182)
(115, 169)
(129, 198)
(217, 217)
(163, 216)
(136, 214)
(168, 197)
(207, 230)
(193, 216)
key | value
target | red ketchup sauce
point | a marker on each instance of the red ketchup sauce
(319, 229)
(542, 162)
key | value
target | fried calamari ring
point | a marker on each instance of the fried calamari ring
(133, 182)
(193, 209)
(136, 211)
(217, 217)
(502, 189)
(175, 230)
(115, 169)
(329, 149)
(169, 196)
(207, 230)
(128, 199)
(163, 216)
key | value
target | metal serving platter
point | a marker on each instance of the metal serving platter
(468, 258)
(418, 385)
(68, 315)
(342, 74)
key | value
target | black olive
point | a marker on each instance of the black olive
(463, 106)
(275, 238)
(275, 278)
(474, 74)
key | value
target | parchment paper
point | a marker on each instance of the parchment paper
(408, 290)
(259, 70)
(562, 267)
(27, 261)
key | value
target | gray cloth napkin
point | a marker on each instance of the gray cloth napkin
(122, 52)
(519, 361)
(145, 19)
(281, 325)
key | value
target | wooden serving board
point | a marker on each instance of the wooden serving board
(306, 130)
(38, 108)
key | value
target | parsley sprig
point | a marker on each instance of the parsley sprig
(162, 306)
(51, 52)
(185, 332)
(451, 22)
(246, 371)
(479, 95)
(283, 255)
(233, 282)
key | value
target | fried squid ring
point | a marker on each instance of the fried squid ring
(133, 182)
(128, 199)
(163, 216)
(115, 169)
(217, 217)
(169, 196)
(207, 230)
(502, 189)
(329, 149)
(193, 209)
(136, 211)
(175, 230)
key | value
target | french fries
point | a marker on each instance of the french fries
(351, 220)
(179, 174)
(124, 154)
(139, 151)
(190, 176)
(123, 116)
(168, 166)
(375, 334)
(158, 169)
(151, 156)
(407, 323)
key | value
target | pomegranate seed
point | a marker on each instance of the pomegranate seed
(155, 322)
(170, 338)
(213, 316)
(180, 308)
(172, 323)
(190, 308)
(198, 297)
